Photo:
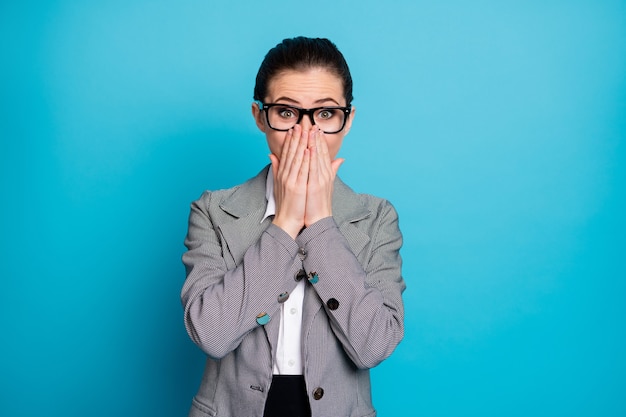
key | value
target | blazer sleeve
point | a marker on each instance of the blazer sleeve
(221, 305)
(362, 298)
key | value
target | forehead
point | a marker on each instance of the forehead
(306, 86)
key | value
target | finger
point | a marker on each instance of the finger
(323, 155)
(304, 168)
(290, 146)
(299, 146)
(313, 165)
(284, 153)
(323, 144)
(312, 136)
(312, 140)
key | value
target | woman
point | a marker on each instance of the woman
(294, 288)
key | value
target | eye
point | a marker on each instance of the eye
(286, 112)
(326, 114)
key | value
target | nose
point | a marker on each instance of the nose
(306, 122)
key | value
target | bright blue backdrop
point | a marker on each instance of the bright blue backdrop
(497, 128)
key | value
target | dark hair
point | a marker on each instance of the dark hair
(302, 53)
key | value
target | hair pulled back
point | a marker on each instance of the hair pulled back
(302, 53)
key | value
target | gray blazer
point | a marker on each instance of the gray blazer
(237, 266)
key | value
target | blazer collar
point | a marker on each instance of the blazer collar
(248, 197)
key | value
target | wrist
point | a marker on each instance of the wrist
(313, 220)
(292, 228)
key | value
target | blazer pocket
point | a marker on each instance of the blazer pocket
(200, 410)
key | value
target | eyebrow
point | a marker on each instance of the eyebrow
(320, 101)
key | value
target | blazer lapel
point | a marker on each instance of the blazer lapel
(347, 211)
(246, 205)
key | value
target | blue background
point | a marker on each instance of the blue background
(497, 128)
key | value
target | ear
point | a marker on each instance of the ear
(349, 121)
(257, 113)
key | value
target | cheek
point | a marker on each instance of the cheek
(334, 144)
(275, 142)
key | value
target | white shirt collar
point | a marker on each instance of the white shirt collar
(270, 209)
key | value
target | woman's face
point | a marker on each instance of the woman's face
(314, 87)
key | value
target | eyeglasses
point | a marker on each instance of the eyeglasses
(283, 117)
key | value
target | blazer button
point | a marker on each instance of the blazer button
(300, 275)
(263, 319)
(282, 297)
(302, 253)
(332, 304)
(318, 393)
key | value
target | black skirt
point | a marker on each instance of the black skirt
(287, 397)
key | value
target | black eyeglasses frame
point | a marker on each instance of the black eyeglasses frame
(346, 110)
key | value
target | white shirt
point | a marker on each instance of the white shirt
(288, 359)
